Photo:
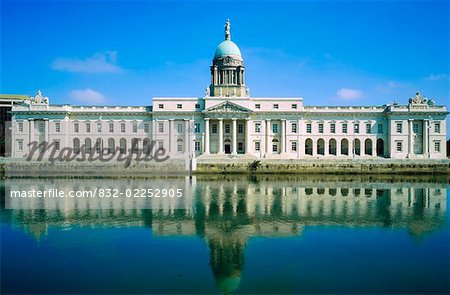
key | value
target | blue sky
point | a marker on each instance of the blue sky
(125, 53)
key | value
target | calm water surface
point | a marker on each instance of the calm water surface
(240, 234)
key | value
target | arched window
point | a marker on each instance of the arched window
(380, 147)
(134, 145)
(357, 146)
(123, 145)
(309, 147)
(332, 147)
(99, 146)
(368, 147)
(87, 145)
(344, 147)
(111, 145)
(321, 147)
(76, 145)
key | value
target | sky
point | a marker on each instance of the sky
(126, 52)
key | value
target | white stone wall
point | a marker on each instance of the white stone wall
(180, 139)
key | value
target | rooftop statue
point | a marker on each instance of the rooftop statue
(227, 30)
(418, 99)
(38, 99)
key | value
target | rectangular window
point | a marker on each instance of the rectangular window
(99, 127)
(380, 128)
(437, 127)
(41, 127)
(356, 128)
(275, 148)
(179, 106)
(344, 128)
(122, 127)
(294, 146)
(308, 128)
(197, 105)
(399, 146)
(180, 127)
(197, 127)
(257, 106)
(160, 144)
(320, 127)
(240, 146)
(240, 128)
(275, 106)
(57, 127)
(160, 127)
(257, 146)
(257, 127)
(416, 128)
(88, 127)
(161, 106)
(20, 127)
(227, 128)
(20, 145)
(134, 127)
(294, 127)
(76, 127)
(214, 128)
(180, 147)
(399, 127)
(146, 128)
(368, 128)
(294, 106)
(437, 146)
(111, 127)
(57, 145)
(332, 128)
(275, 127)
(197, 146)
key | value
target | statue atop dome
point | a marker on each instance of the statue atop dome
(227, 30)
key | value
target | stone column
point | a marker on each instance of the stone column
(268, 151)
(374, 147)
(170, 135)
(220, 136)
(338, 147)
(426, 130)
(66, 129)
(206, 143)
(300, 142)
(283, 136)
(234, 147)
(46, 137)
(247, 136)
(31, 130)
(351, 151)
(187, 127)
(410, 138)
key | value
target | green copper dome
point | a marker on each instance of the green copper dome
(227, 48)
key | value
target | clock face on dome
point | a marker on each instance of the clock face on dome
(227, 60)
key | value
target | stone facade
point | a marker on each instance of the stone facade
(227, 120)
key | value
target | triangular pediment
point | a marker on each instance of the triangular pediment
(227, 107)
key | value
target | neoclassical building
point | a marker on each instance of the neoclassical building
(227, 120)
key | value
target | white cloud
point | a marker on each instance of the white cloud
(438, 77)
(87, 96)
(103, 62)
(349, 94)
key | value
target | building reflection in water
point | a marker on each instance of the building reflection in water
(226, 212)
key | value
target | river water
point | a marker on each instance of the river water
(236, 234)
